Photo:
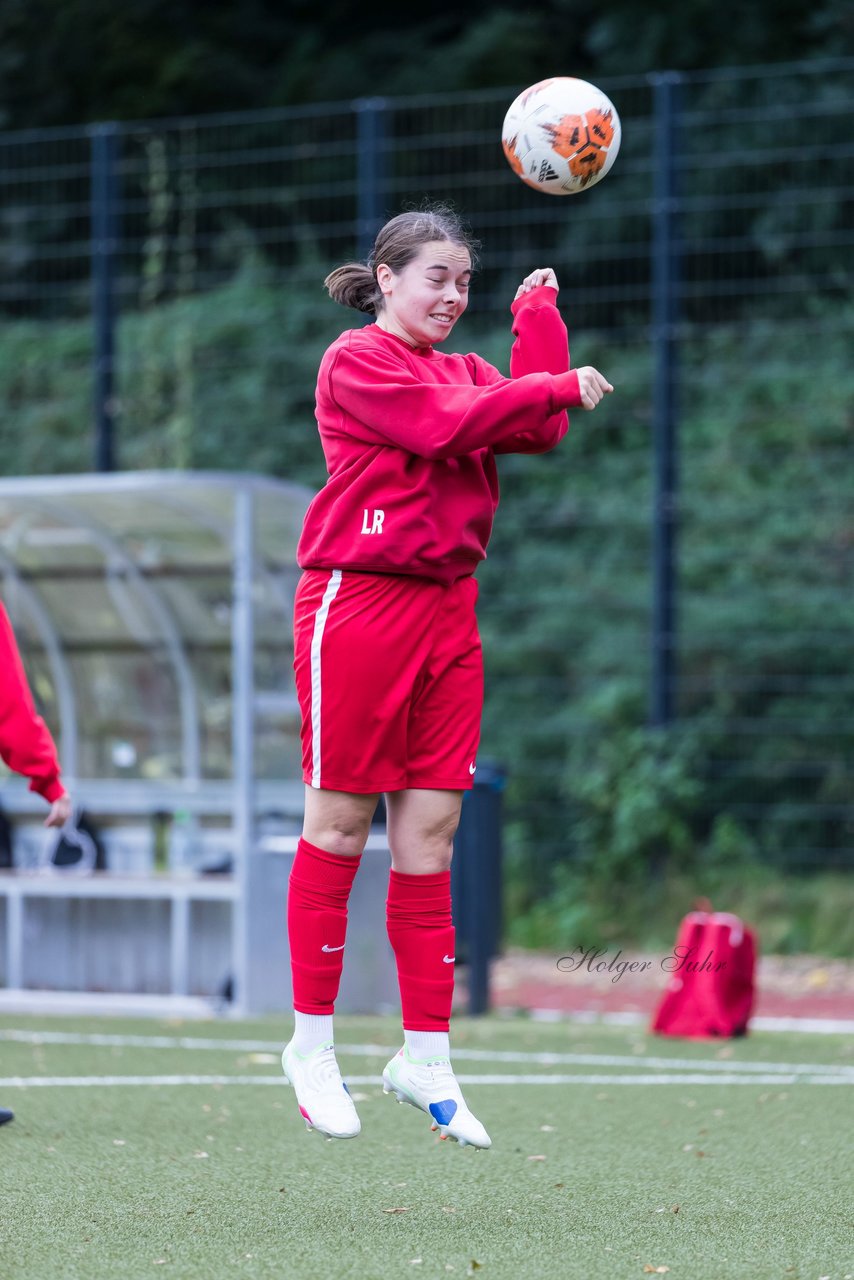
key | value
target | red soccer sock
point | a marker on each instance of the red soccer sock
(318, 890)
(418, 916)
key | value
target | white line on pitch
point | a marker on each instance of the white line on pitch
(691, 1078)
(470, 1055)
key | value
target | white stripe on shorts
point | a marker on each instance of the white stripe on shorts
(319, 623)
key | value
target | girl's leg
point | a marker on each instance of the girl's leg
(327, 859)
(334, 833)
(421, 829)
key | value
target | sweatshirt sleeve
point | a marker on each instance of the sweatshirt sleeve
(26, 745)
(541, 345)
(378, 389)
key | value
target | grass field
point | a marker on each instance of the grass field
(151, 1149)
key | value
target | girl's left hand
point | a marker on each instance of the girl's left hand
(543, 275)
(60, 811)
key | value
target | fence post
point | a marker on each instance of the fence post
(371, 164)
(476, 875)
(104, 244)
(665, 319)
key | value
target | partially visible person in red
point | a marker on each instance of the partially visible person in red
(26, 745)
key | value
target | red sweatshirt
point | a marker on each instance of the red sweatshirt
(410, 436)
(25, 742)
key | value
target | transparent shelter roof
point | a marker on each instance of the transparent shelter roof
(122, 590)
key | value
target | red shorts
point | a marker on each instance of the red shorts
(389, 677)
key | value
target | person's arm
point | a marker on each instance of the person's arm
(26, 745)
(376, 387)
(541, 344)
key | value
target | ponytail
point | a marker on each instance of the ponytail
(354, 285)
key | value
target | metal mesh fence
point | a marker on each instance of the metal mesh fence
(223, 230)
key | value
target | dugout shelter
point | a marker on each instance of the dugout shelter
(154, 612)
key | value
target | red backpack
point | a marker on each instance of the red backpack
(711, 987)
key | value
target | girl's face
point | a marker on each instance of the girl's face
(424, 301)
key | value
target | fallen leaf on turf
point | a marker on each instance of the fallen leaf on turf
(559, 1186)
(201, 1155)
(658, 1271)
(403, 1208)
(283, 1188)
(676, 1208)
(536, 1157)
(473, 1266)
(446, 1208)
(118, 1142)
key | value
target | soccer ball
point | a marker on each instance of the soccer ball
(561, 136)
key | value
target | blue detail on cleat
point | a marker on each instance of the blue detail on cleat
(346, 1090)
(443, 1112)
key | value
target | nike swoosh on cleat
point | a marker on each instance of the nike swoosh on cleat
(472, 769)
(326, 948)
(448, 960)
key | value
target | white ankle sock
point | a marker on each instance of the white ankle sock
(311, 1030)
(427, 1044)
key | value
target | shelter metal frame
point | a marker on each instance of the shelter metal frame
(72, 503)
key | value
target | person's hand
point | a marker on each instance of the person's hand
(592, 385)
(60, 812)
(543, 275)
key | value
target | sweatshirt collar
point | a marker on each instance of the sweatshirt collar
(427, 351)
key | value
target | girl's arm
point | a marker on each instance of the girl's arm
(376, 387)
(25, 741)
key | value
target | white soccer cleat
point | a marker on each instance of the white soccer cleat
(322, 1096)
(432, 1087)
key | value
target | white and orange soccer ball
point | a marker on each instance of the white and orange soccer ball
(561, 135)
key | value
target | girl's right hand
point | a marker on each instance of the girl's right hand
(592, 385)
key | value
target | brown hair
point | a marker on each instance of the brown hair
(397, 243)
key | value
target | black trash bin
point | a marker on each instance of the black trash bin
(476, 881)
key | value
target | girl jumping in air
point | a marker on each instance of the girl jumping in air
(387, 654)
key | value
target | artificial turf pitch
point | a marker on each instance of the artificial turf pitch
(698, 1165)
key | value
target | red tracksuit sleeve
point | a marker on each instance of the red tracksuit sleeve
(541, 346)
(25, 741)
(377, 388)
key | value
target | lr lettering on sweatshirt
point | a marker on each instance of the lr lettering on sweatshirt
(376, 523)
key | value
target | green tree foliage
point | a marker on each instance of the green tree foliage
(69, 61)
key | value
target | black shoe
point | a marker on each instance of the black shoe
(6, 1116)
